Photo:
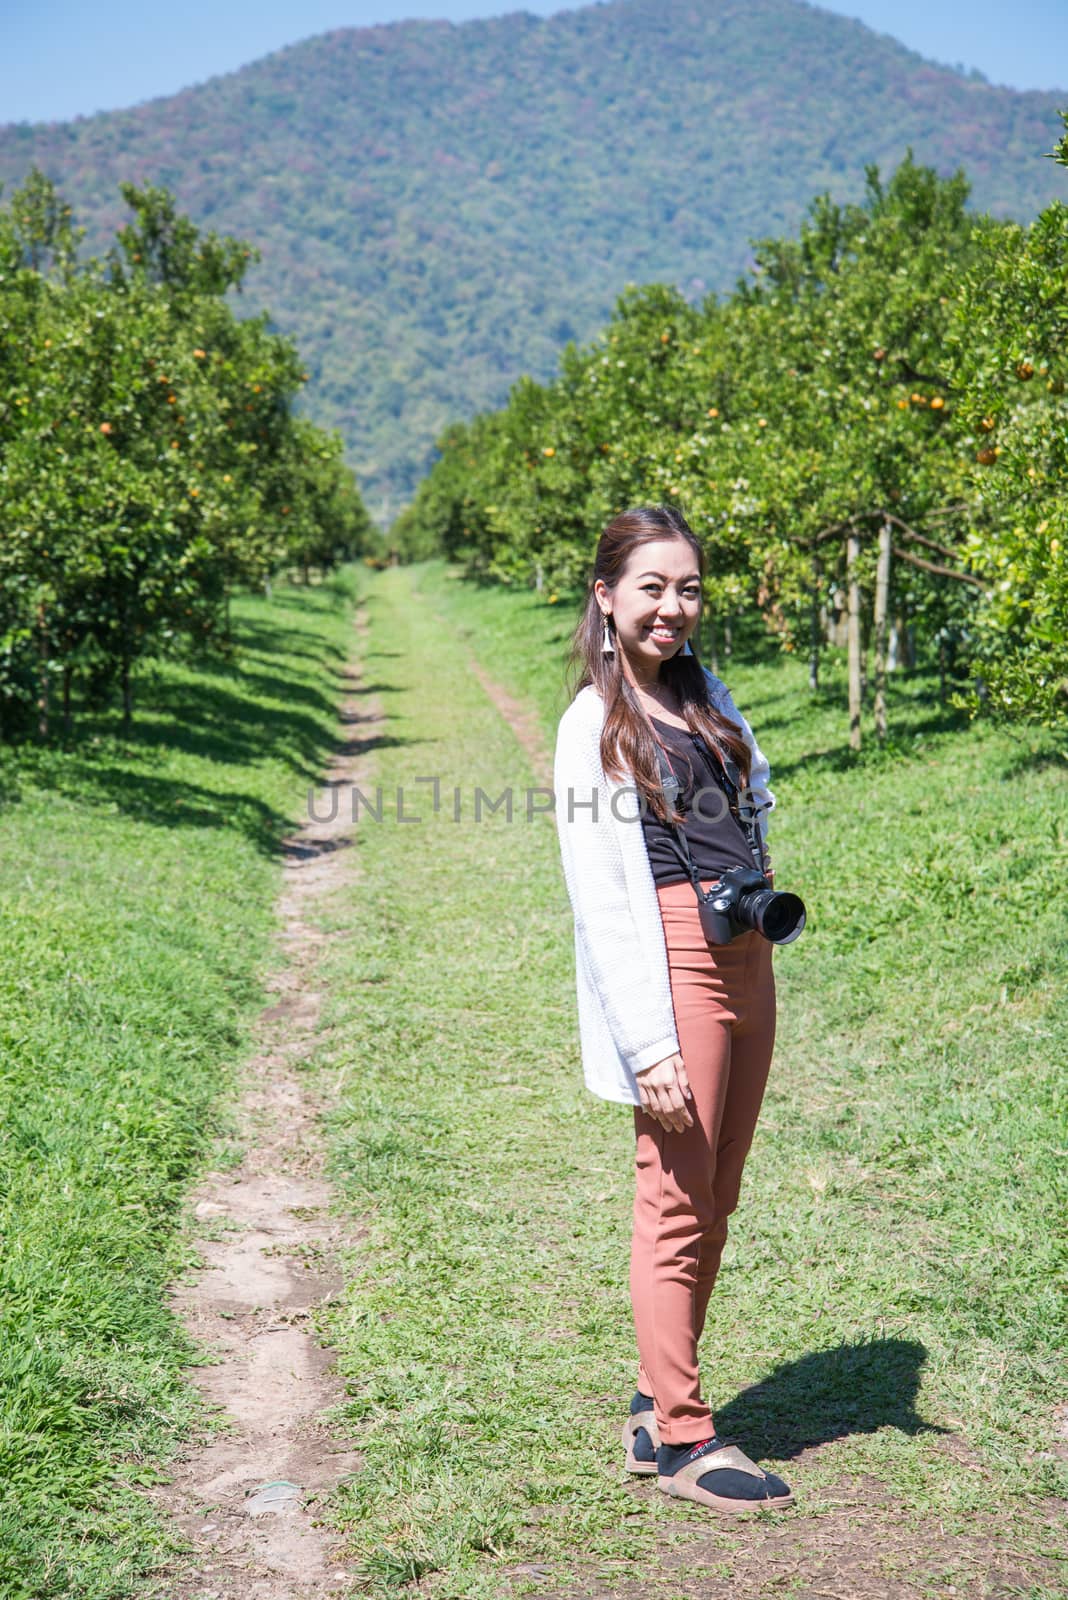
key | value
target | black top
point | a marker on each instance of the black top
(716, 840)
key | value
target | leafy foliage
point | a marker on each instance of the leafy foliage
(1010, 362)
(835, 397)
(152, 463)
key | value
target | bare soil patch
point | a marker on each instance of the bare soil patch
(854, 1548)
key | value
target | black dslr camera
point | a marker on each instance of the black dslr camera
(744, 900)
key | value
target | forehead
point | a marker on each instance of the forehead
(670, 558)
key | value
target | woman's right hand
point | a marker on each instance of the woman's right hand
(664, 1090)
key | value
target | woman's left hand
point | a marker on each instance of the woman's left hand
(664, 1090)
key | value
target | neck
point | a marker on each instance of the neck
(643, 680)
(659, 694)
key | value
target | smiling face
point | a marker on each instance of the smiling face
(655, 605)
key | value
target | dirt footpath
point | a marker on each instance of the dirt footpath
(246, 1498)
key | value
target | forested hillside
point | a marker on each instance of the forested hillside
(442, 207)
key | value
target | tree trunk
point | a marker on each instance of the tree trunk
(127, 698)
(539, 577)
(68, 720)
(941, 668)
(814, 627)
(43, 684)
(882, 605)
(853, 588)
(728, 636)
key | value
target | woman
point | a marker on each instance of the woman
(680, 1028)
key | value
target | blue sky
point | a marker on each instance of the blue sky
(64, 58)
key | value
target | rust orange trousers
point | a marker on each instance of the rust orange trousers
(688, 1182)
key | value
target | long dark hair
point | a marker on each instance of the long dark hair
(628, 745)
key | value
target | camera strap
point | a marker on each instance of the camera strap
(745, 813)
(670, 785)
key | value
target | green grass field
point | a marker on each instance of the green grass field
(890, 1314)
(891, 1284)
(137, 883)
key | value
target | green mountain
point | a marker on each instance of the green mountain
(441, 207)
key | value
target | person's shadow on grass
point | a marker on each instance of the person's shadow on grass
(829, 1394)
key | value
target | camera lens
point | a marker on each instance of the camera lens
(781, 917)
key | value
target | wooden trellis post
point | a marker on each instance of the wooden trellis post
(814, 631)
(853, 636)
(887, 552)
(882, 606)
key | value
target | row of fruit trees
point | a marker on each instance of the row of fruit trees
(151, 460)
(876, 420)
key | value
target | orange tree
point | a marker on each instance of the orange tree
(881, 413)
(150, 452)
(313, 499)
(37, 250)
(1010, 367)
(831, 415)
(810, 406)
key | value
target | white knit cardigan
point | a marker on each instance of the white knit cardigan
(625, 1014)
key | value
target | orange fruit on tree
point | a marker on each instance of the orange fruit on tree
(1024, 371)
(987, 456)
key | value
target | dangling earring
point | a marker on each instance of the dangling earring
(607, 647)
